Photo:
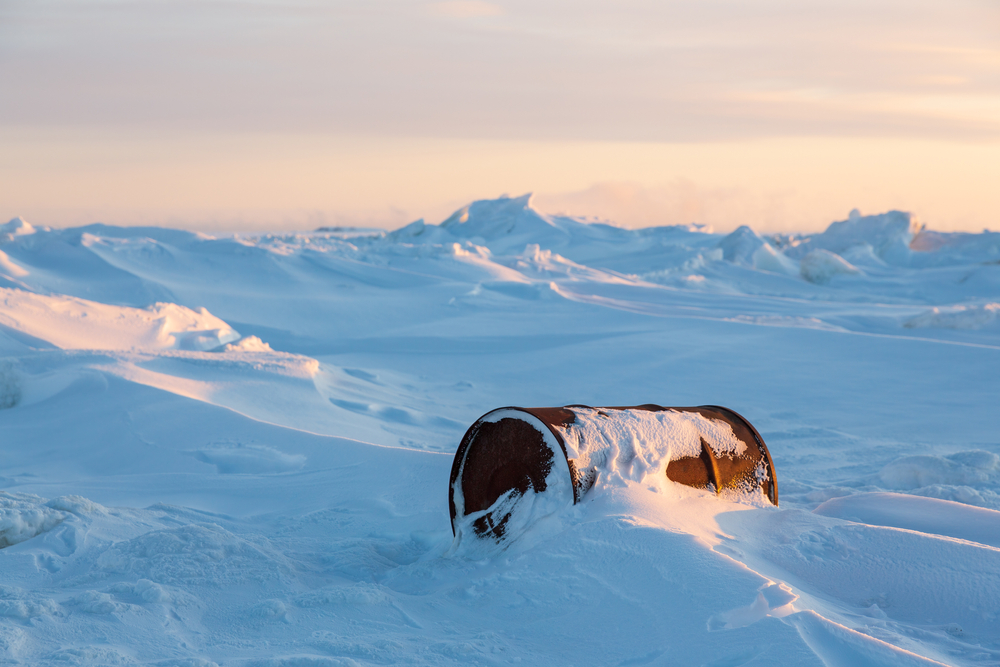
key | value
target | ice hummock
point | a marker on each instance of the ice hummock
(888, 234)
(820, 266)
(14, 228)
(746, 248)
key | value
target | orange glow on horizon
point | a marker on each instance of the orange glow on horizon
(254, 182)
(253, 115)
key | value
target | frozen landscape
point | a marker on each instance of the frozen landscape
(235, 450)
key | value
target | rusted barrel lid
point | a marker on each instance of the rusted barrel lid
(510, 451)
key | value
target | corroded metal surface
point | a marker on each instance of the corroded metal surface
(510, 455)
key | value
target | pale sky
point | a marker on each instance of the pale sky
(235, 114)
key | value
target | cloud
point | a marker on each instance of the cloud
(465, 9)
(643, 70)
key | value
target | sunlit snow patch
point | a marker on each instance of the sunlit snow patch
(71, 323)
(16, 227)
(248, 344)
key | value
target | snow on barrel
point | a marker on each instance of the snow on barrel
(516, 465)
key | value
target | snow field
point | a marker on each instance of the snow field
(235, 451)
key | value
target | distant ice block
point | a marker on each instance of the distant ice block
(745, 247)
(889, 235)
(820, 266)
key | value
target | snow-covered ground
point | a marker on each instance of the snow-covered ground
(236, 450)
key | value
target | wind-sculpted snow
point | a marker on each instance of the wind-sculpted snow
(70, 323)
(235, 450)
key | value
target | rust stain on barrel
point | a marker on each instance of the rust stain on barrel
(696, 471)
(510, 455)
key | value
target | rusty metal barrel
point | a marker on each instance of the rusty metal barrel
(509, 452)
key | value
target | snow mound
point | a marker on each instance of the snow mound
(889, 235)
(248, 344)
(496, 219)
(956, 317)
(766, 258)
(745, 247)
(740, 246)
(16, 227)
(820, 266)
(23, 516)
(506, 225)
(71, 323)
(926, 515)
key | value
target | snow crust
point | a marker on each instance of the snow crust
(234, 450)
